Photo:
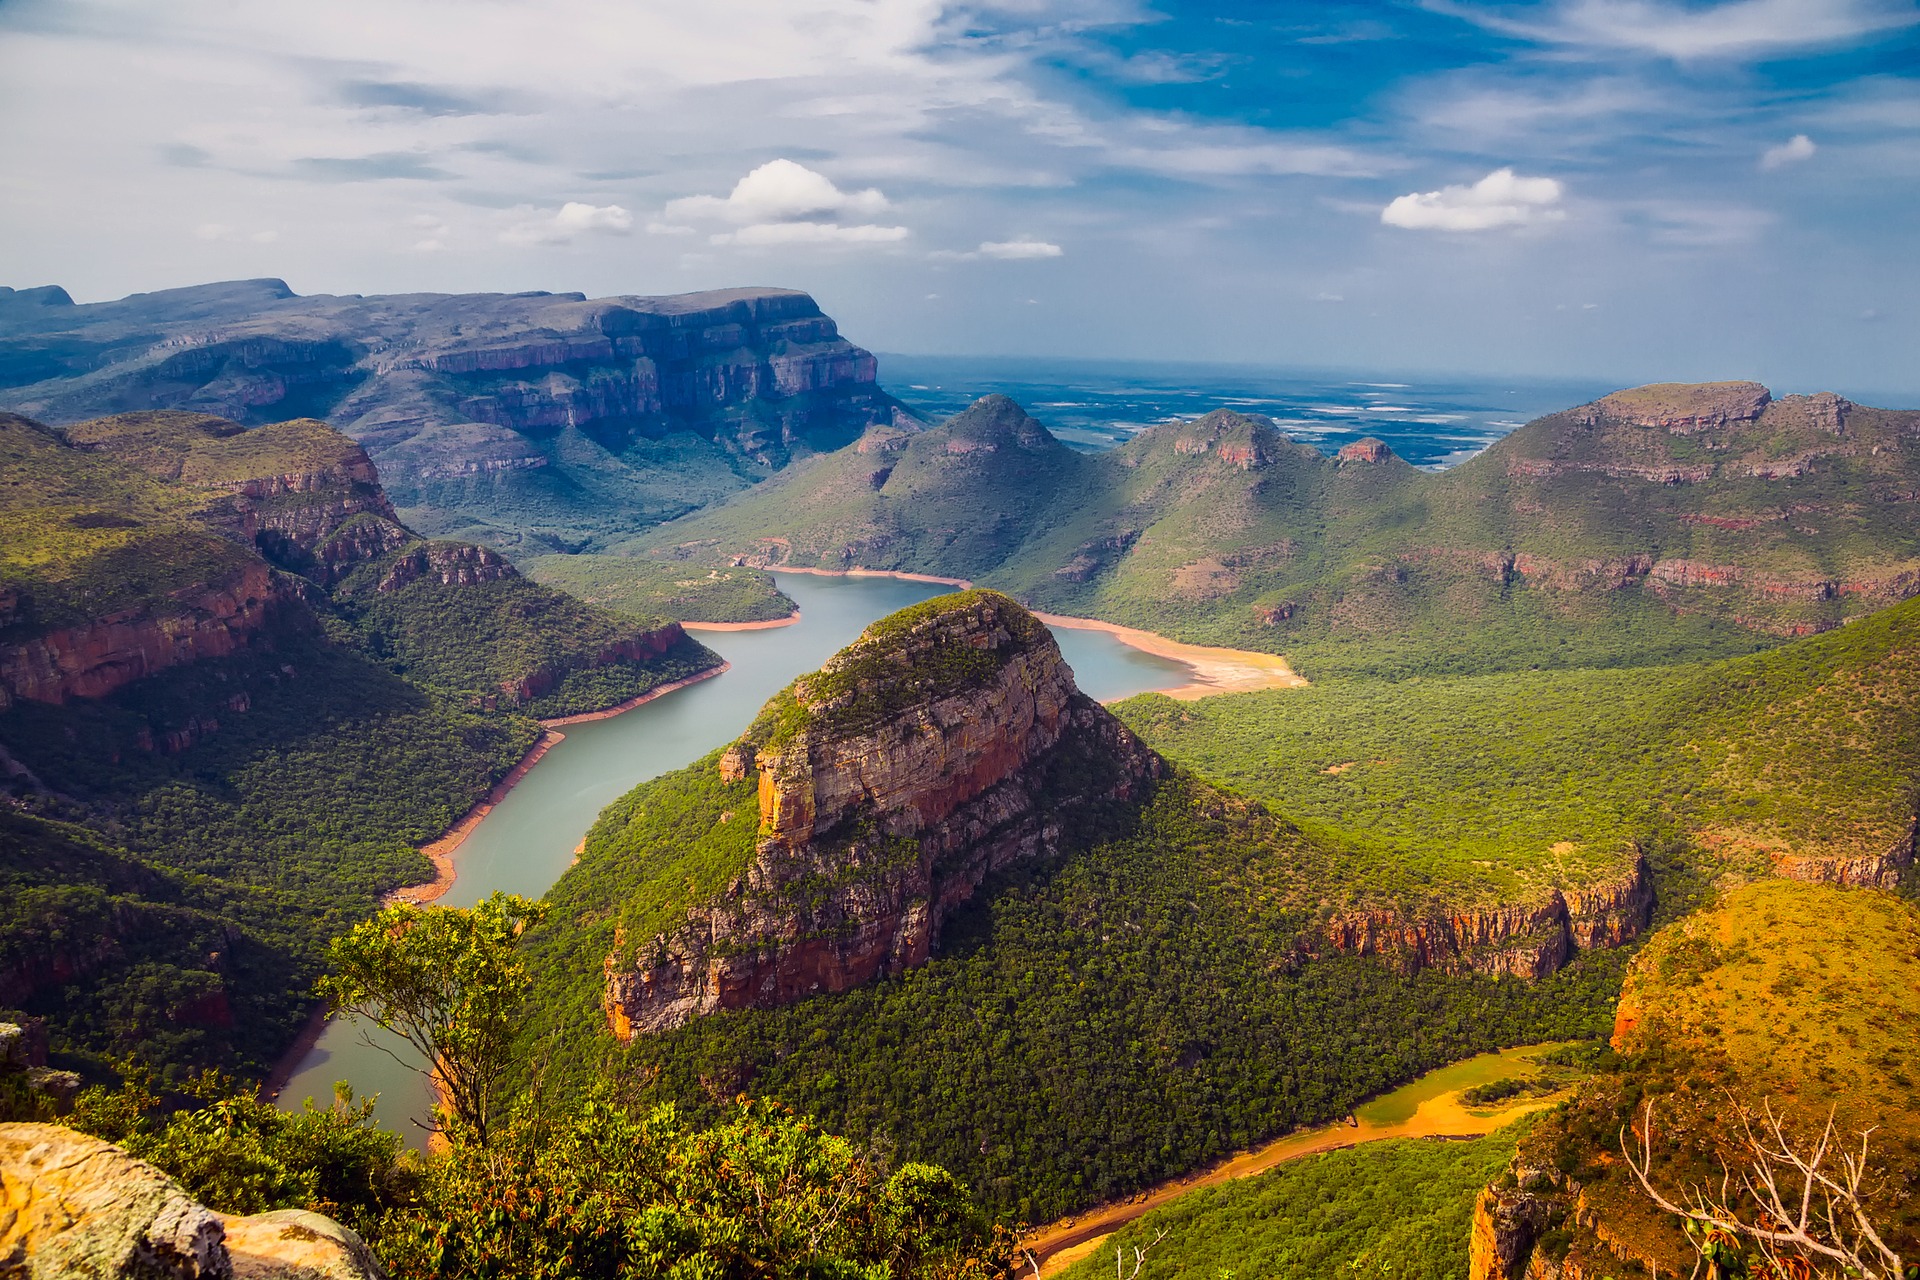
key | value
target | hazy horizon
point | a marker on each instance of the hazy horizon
(1630, 190)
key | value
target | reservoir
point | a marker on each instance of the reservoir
(528, 841)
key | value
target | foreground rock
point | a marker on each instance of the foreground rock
(74, 1206)
(945, 744)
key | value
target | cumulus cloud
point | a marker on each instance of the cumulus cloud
(782, 191)
(1798, 147)
(786, 203)
(1501, 199)
(573, 220)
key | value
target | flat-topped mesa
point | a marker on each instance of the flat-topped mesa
(945, 744)
(1682, 407)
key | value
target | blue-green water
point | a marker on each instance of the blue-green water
(527, 842)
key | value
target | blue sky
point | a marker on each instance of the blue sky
(1628, 189)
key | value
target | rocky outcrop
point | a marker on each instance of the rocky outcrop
(946, 744)
(1366, 449)
(1505, 1226)
(1526, 940)
(1852, 871)
(90, 661)
(75, 1206)
(448, 563)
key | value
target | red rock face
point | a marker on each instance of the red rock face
(637, 648)
(1684, 408)
(449, 562)
(1367, 450)
(903, 819)
(94, 660)
(1523, 941)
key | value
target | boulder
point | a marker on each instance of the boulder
(73, 1207)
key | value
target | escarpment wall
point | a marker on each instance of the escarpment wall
(871, 836)
(1528, 940)
(214, 620)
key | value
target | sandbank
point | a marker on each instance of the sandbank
(1215, 670)
(858, 572)
(767, 625)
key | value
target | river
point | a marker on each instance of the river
(527, 841)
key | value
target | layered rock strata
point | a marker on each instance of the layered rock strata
(946, 744)
(1528, 940)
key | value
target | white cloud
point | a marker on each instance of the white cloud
(762, 234)
(781, 191)
(573, 220)
(668, 229)
(1798, 147)
(1018, 250)
(1737, 28)
(1501, 199)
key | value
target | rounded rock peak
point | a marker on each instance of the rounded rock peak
(1366, 449)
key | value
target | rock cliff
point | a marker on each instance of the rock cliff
(1527, 940)
(525, 408)
(945, 744)
(74, 1206)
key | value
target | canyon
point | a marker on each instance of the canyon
(502, 414)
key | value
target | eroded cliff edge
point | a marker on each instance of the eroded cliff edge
(947, 743)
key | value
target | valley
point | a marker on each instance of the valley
(1295, 797)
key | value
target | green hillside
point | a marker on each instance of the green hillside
(1474, 787)
(647, 588)
(1655, 526)
(81, 537)
(1087, 1029)
(1399, 1209)
(267, 788)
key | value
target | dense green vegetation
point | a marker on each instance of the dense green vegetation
(512, 640)
(1399, 1209)
(289, 818)
(1088, 1028)
(1540, 552)
(646, 588)
(252, 806)
(598, 1189)
(1479, 786)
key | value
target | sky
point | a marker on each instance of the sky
(1634, 190)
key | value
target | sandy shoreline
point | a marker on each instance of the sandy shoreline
(282, 1073)
(1215, 670)
(767, 625)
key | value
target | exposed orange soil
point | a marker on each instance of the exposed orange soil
(1214, 670)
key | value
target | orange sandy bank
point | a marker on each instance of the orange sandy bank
(768, 625)
(1214, 670)
(1066, 1242)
